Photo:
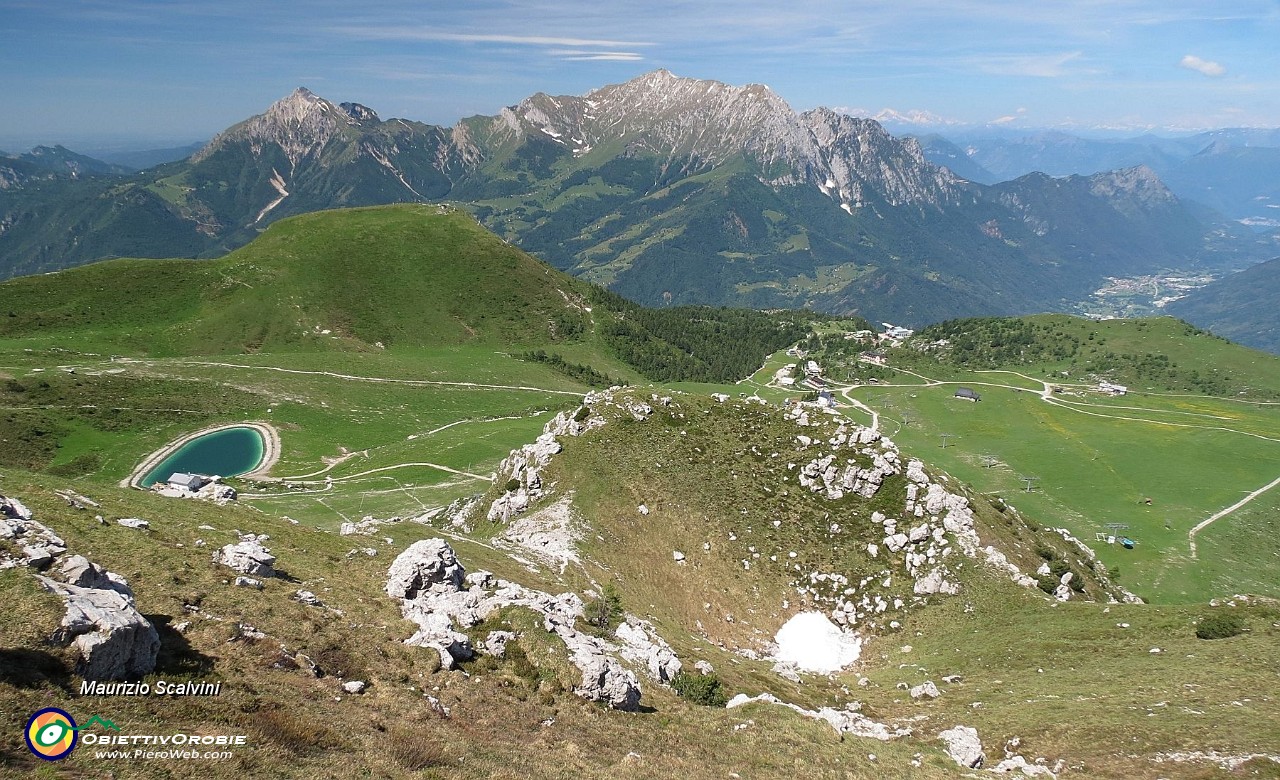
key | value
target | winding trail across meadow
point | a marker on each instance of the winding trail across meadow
(354, 378)
(1046, 395)
(1191, 535)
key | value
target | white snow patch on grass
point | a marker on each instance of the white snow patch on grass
(812, 643)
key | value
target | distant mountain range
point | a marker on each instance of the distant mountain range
(668, 190)
(1235, 171)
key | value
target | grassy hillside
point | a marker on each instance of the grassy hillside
(399, 276)
(371, 279)
(101, 366)
(1159, 354)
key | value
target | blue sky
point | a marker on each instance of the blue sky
(121, 72)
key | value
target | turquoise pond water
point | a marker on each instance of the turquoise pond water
(226, 453)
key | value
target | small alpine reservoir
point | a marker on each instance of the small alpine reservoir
(225, 452)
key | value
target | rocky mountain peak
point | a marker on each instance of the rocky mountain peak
(858, 152)
(675, 117)
(300, 123)
(699, 123)
(1138, 185)
(360, 113)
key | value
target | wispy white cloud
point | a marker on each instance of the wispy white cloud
(587, 55)
(1207, 67)
(1036, 65)
(427, 34)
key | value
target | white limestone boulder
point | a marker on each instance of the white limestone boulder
(963, 746)
(113, 639)
(429, 564)
(642, 645)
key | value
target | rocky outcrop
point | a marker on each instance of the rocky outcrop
(429, 582)
(925, 690)
(14, 509)
(997, 560)
(37, 544)
(307, 598)
(963, 746)
(1017, 765)
(523, 466)
(550, 535)
(1063, 591)
(495, 644)
(642, 645)
(428, 565)
(79, 571)
(248, 556)
(113, 639)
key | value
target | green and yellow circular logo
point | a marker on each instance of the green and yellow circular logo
(51, 734)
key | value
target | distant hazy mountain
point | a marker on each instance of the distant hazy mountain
(940, 151)
(1060, 154)
(668, 190)
(1242, 181)
(60, 159)
(1235, 171)
(148, 158)
(1242, 307)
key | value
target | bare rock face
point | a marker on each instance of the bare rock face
(247, 556)
(604, 680)
(429, 564)
(80, 571)
(301, 124)
(429, 582)
(964, 747)
(642, 645)
(114, 640)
